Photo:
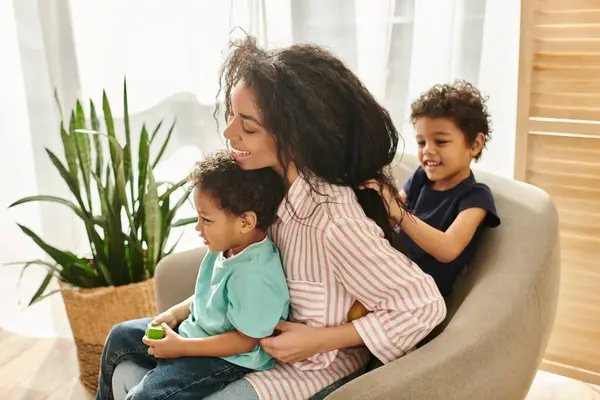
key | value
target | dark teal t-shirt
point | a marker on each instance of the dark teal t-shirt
(439, 209)
(247, 292)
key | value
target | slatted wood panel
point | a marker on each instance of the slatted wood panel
(569, 169)
(566, 68)
(559, 123)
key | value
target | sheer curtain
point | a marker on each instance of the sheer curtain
(171, 53)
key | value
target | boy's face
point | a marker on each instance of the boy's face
(444, 152)
(220, 230)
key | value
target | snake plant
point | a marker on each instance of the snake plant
(127, 215)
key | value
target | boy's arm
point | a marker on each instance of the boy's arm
(403, 195)
(443, 246)
(224, 345)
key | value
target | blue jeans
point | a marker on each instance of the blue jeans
(181, 378)
(128, 375)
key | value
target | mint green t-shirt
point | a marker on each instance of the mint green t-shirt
(247, 292)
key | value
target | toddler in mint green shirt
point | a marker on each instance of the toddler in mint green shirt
(241, 294)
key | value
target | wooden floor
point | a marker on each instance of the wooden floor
(36, 369)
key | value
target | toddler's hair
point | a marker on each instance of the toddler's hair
(238, 190)
(460, 102)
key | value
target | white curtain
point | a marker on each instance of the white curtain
(170, 53)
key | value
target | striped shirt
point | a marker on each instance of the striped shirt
(333, 255)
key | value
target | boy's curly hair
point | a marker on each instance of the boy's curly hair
(239, 191)
(460, 102)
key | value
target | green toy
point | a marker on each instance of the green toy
(155, 331)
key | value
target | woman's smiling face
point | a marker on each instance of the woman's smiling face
(252, 146)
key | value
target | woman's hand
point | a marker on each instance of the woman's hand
(168, 317)
(396, 212)
(170, 346)
(296, 342)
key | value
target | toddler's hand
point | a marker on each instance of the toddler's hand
(168, 317)
(171, 346)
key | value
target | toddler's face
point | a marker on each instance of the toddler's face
(219, 229)
(444, 152)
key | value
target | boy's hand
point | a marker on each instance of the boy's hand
(168, 317)
(171, 346)
(396, 213)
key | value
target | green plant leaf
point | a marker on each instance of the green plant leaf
(136, 260)
(88, 277)
(127, 148)
(82, 143)
(114, 241)
(26, 264)
(70, 150)
(164, 146)
(52, 199)
(117, 167)
(72, 122)
(144, 155)
(116, 151)
(58, 105)
(63, 258)
(177, 206)
(97, 140)
(170, 215)
(127, 166)
(165, 208)
(173, 188)
(43, 286)
(121, 253)
(68, 178)
(184, 222)
(155, 131)
(108, 119)
(172, 249)
(41, 262)
(74, 269)
(44, 296)
(152, 224)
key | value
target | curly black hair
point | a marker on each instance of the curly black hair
(239, 191)
(323, 118)
(460, 102)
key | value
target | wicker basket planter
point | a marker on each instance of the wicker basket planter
(93, 312)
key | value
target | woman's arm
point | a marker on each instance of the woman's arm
(298, 341)
(405, 303)
(339, 337)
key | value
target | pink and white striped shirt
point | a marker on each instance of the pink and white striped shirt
(333, 255)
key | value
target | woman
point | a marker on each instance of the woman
(302, 112)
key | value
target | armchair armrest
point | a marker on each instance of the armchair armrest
(175, 277)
